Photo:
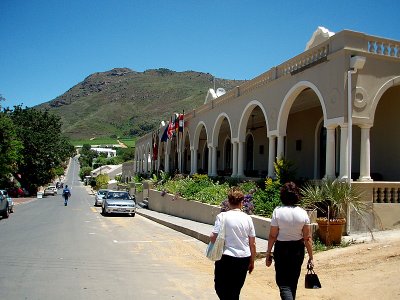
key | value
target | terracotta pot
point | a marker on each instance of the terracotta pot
(330, 233)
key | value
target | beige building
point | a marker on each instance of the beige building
(300, 110)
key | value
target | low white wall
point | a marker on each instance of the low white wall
(389, 215)
(197, 211)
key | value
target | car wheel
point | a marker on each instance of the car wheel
(6, 213)
(95, 203)
(103, 212)
(132, 215)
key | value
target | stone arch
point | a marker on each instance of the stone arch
(197, 132)
(289, 99)
(245, 118)
(217, 127)
(378, 96)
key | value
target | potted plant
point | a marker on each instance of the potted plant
(333, 198)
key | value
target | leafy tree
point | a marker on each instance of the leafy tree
(85, 171)
(10, 146)
(45, 149)
(126, 154)
(102, 181)
(87, 156)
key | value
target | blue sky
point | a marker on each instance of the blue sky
(48, 46)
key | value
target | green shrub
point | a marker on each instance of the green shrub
(213, 194)
(248, 186)
(102, 181)
(266, 200)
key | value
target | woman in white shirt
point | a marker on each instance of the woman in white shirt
(239, 249)
(289, 232)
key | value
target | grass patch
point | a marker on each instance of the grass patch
(129, 142)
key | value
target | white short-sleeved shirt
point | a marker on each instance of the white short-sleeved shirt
(290, 220)
(238, 228)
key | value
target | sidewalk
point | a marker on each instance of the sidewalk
(191, 228)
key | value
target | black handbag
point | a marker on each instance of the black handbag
(311, 280)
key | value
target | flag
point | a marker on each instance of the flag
(155, 145)
(177, 123)
(164, 137)
(171, 128)
(181, 122)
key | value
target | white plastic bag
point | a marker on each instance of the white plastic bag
(214, 250)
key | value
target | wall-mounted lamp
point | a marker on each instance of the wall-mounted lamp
(357, 62)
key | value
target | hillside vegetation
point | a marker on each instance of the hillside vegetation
(125, 103)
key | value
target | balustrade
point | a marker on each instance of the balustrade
(386, 193)
(384, 47)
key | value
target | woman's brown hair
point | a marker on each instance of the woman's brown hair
(235, 196)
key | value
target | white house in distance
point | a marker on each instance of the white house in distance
(332, 110)
(108, 151)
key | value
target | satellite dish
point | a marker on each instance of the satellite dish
(220, 92)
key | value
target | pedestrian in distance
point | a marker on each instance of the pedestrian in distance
(66, 194)
(239, 249)
(290, 231)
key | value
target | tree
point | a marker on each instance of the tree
(87, 156)
(45, 149)
(102, 181)
(10, 147)
(126, 154)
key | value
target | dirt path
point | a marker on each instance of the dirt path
(364, 271)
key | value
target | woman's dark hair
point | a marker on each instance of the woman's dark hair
(290, 194)
(235, 196)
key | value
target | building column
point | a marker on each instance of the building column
(330, 153)
(179, 158)
(234, 159)
(281, 147)
(166, 160)
(271, 156)
(240, 171)
(209, 161)
(344, 139)
(191, 162)
(194, 161)
(365, 154)
(213, 160)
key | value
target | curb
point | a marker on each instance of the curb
(197, 235)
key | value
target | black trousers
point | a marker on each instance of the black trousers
(289, 257)
(229, 276)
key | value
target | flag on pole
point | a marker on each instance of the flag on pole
(171, 127)
(164, 137)
(177, 123)
(181, 121)
(155, 146)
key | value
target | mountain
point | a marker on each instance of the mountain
(122, 102)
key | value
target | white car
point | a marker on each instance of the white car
(118, 202)
(98, 198)
(50, 190)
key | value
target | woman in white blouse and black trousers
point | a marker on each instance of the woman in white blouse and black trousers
(290, 232)
(239, 250)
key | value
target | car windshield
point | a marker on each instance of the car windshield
(102, 192)
(118, 195)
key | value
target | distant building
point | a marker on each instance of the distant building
(108, 151)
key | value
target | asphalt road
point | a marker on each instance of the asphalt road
(49, 251)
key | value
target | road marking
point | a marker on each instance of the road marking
(93, 209)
